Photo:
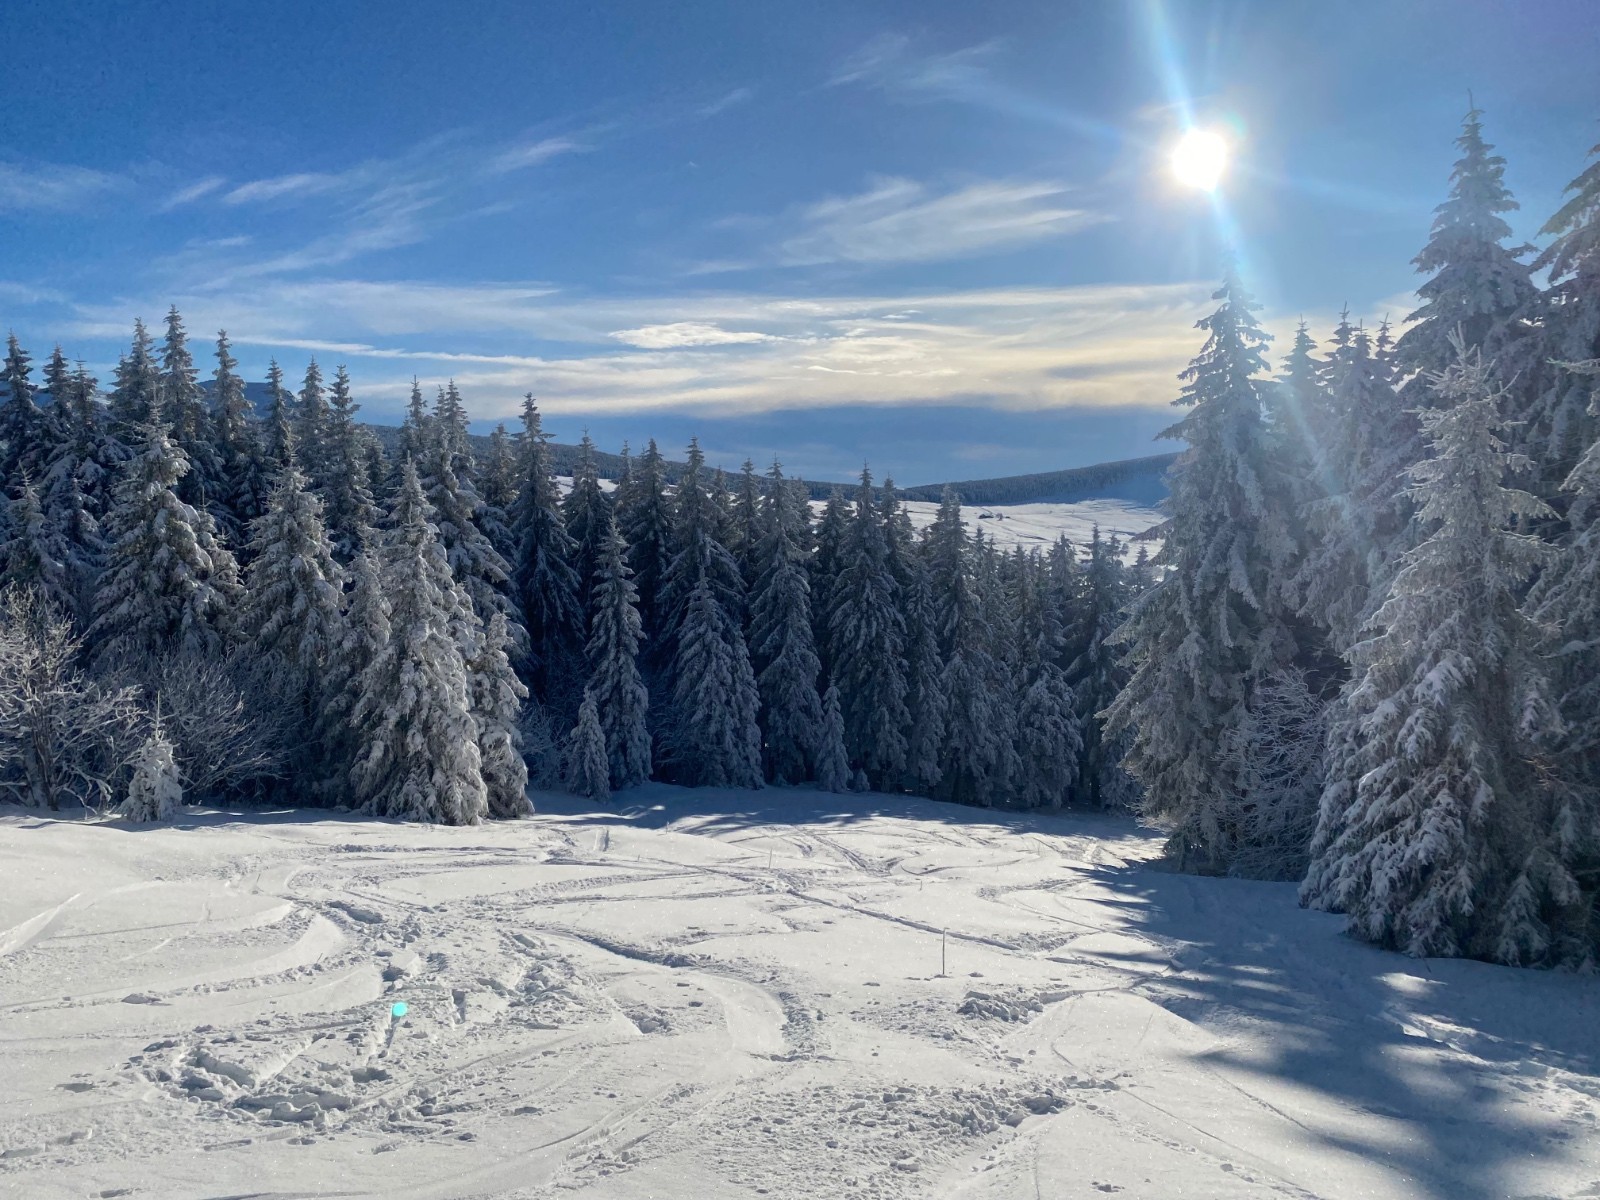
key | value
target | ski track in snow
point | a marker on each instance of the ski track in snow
(708, 995)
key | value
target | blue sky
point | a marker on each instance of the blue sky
(937, 236)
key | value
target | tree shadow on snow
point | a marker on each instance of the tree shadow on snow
(1476, 1069)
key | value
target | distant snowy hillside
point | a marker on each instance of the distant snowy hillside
(1140, 480)
(1040, 524)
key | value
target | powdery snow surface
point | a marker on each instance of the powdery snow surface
(706, 995)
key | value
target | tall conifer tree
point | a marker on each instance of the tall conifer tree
(1204, 636)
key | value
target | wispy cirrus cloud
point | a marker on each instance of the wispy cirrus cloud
(304, 183)
(899, 220)
(894, 65)
(53, 187)
(891, 62)
(729, 99)
(366, 208)
(194, 191)
(679, 334)
(532, 154)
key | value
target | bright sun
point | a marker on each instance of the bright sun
(1199, 159)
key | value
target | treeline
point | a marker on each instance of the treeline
(214, 605)
(1372, 662)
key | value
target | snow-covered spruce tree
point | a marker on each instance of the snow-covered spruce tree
(182, 401)
(155, 793)
(1566, 601)
(22, 426)
(1358, 518)
(1202, 637)
(1295, 410)
(1478, 285)
(380, 477)
(279, 432)
(542, 573)
(169, 585)
(245, 474)
(136, 400)
(748, 526)
(72, 528)
(898, 535)
(1283, 744)
(615, 684)
(722, 497)
(867, 647)
(452, 492)
(497, 475)
(364, 636)
(925, 703)
(416, 431)
(1566, 416)
(622, 496)
(587, 766)
(970, 759)
(1049, 740)
(497, 697)
(57, 377)
(996, 600)
(497, 492)
(293, 610)
(1097, 671)
(346, 495)
(644, 517)
(1437, 834)
(183, 409)
(1141, 574)
(699, 550)
(923, 665)
(35, 553)
(833, 531)
(781, 643)
(86, 458)
(715, 741)
(1566, 604)
(1063, 594)
(587, 512)
(833, 764)
(311, 428)
(418, 758)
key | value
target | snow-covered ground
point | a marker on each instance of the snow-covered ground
(709, 995)
(1038, 525)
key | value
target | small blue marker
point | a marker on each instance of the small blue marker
(398, 1010)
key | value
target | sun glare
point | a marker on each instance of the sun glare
(1199, 159)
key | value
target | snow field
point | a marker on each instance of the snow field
(1037, 526)
(714, 994)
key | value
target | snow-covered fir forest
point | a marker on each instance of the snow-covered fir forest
(1365, 655)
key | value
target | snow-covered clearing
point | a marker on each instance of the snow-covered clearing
(714, 995)
(1037, 526)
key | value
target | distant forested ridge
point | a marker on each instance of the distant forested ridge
(1143, 480)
